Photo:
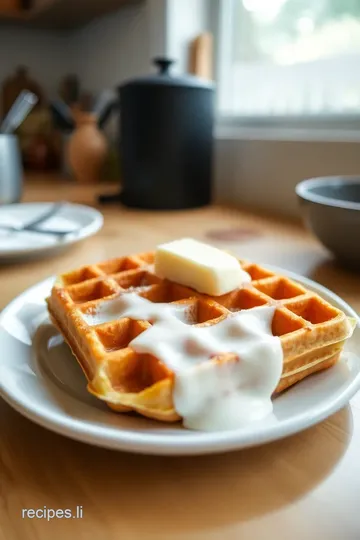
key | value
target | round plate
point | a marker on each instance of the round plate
(81, 221)
(40, 378)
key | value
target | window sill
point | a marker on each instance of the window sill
(259, 167)
(286, 134)
(339, 128)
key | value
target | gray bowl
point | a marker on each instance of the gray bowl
(331, 207)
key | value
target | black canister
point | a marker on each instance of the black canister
(166, 127)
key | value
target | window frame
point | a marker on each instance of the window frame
(220, 18)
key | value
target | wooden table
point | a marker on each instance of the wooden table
(303, 487)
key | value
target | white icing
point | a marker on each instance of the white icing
(208, 395)
(135, 307)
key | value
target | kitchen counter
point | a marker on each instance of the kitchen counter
(303, 487)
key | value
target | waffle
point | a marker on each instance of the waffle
(312, 332)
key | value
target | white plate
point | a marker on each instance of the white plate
(81, 222)
(40, 379)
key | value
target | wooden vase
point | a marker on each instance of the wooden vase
(87, 149)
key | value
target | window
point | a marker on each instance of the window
(289, 58)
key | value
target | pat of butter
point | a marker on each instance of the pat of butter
(199, 266)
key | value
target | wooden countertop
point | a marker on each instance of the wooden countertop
(304, 487)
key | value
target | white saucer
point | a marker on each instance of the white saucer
(40, 378)
(81, 222)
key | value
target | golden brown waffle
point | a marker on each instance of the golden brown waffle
(312, 332)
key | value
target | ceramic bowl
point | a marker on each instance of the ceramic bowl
(331, 208)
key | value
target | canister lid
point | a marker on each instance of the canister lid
(165, 78)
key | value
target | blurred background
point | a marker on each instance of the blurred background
(293, 57)
(286, 75)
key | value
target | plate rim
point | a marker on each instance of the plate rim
(86, 231)
(159, 444)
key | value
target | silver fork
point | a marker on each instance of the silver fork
(31, 225)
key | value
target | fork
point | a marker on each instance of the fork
(31, 225)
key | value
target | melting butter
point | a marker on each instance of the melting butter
(203, 267)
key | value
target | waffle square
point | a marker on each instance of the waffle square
(312, 332)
